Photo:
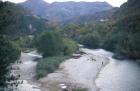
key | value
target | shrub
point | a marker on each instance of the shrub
(49, 65)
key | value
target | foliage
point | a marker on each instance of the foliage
(53, 44)
(10, 28)
(92, 35)
(128, 44)
(9, 53)
(91, 40)
(24, 43)
(15, 20)
(55, 48)
(70, 46)
(120, 35)
(48, 65)
(50, 44)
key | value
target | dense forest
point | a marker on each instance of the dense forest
(20, 30)
(120, 33)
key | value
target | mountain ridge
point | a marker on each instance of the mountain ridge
(59, 11)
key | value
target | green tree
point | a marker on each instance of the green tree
(70, 46)
(8, 54)
(50, 44)
(91, 40)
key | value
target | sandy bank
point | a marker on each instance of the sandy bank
(78, 73)
(27, 71)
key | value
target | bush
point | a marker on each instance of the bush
(49, 65)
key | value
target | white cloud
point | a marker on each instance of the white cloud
(112, 2)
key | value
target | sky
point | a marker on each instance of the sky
(115, 3)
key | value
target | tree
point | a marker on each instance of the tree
(70, 46)
(49, 43)
(91, 40)
(8, 54)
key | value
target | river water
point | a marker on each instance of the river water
(119, 75)
(27, 71)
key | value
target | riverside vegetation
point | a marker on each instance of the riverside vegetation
(119, 34)
(54, 49)
(17, 30)
(21, 30)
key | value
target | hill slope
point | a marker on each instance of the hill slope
(89, 18)
(14, 20)
(59, 11)
(126, 33)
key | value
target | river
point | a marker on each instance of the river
(78, 72)
(120, 75)
(94, 70)
(27, 71)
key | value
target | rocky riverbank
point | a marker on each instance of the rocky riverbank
(78, 72)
